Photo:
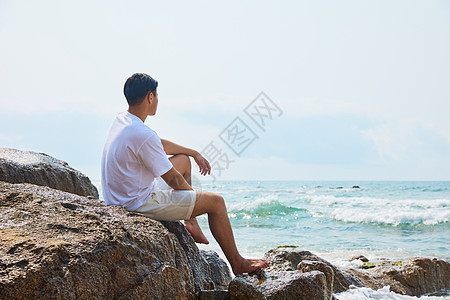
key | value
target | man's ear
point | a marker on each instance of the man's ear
(149, 97)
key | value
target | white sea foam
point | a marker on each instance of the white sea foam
(385, 211)
(382, 294)
(332, 200)
(392, 216)
(254, 204)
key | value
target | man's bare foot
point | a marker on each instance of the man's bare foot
(195, 230)
(249, 265)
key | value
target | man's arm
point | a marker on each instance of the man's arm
(175, 180)
(171, 149)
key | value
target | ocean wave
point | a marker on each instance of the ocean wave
(391, 216)
(370, 202)
(263, 206)
(383, 293)
(383, 211)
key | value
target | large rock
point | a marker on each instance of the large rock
(17, 166)
(220, 272)
(283, 259)
(280, 285)
(416, 277)
(209, 270)
(309, 266)
(291, 275)
(58, 245)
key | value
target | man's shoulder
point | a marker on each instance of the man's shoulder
(131, 131)
(146, 129)
(141, 132)
(133, 124)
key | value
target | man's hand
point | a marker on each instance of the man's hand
(172, 149)
(202, 163)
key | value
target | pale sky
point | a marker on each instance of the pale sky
(364, 86)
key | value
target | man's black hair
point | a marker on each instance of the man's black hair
(137, 87)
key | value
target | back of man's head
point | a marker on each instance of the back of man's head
(137, 87)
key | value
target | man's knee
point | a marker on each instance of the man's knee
(217, 201)
(208, 202)
(185, 160)
(181, 162)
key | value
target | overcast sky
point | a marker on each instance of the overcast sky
(363, 86)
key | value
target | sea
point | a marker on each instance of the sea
(338, 220)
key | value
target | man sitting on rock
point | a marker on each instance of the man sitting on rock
(134, 158)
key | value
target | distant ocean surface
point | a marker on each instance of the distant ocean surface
(338, 220)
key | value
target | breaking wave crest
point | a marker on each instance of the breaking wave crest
(261, 207)
(391, 216)
(386, 211)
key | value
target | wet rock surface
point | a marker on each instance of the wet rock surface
(359, 257)
(309, 266)
(280, 285)
(17, 166)
(210, 272)
(198, 265)
(220, 272)
(55, 244)
(213, 295)
(293, 274)
(297, 274)
(416, 277)
(285, 259)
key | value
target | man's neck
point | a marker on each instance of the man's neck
(138, 112)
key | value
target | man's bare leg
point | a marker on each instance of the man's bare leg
(219, 223)
(182, 164)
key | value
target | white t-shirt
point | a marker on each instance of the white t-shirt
(133, 157)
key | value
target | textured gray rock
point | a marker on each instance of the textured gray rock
(57, 245)
(220, 272)
(213, 295)
(17, 166)
(307, 266)
(416, 277)
(359, 257)
(283, 259)
(198, 265)
(280, 285)
(210, 272)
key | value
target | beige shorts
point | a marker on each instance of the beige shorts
(166, 204)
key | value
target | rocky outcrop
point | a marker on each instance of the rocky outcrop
(283, 259)
(297, 274)
(281, 285)
(416, 277)
(18, 166)
(210, 272)
(55, 244)
(291, 275)
(220, 272)
(306, 266)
